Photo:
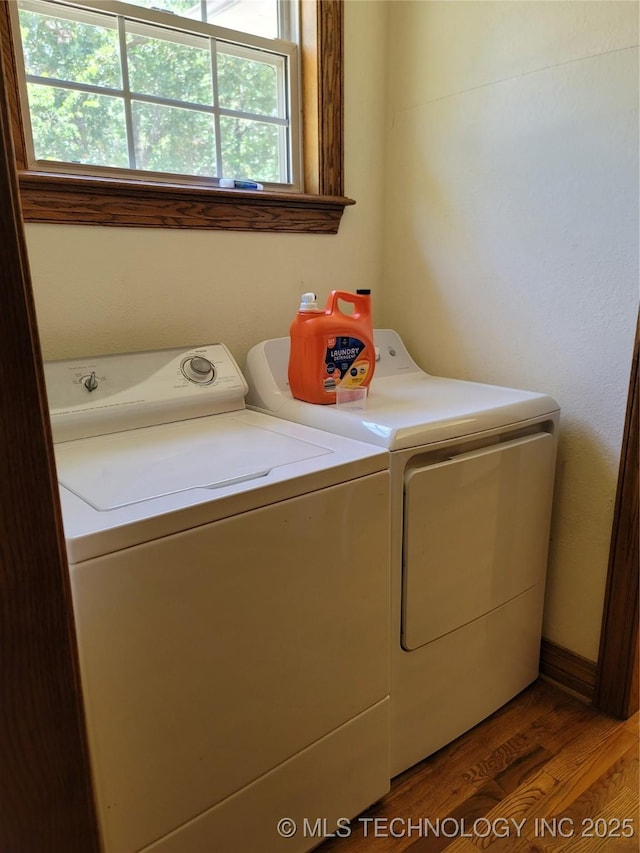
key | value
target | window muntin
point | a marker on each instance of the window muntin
(184, 98)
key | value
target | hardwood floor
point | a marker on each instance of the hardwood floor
(544, 773)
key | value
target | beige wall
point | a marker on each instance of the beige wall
(511, 235)
(117, 289)
(509, 226)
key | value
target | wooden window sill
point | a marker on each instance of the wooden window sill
(103, 201)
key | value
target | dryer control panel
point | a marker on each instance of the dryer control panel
(95, 395)
(392, 357)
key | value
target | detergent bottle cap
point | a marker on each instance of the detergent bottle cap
(309, 302)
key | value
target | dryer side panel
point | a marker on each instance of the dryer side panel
(476, 534)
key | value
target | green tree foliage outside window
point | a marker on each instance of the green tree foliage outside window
(90, 127)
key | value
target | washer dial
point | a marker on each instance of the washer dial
(198, 369)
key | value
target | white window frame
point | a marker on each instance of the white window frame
(283, 54)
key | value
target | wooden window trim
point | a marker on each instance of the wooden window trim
(80, 200)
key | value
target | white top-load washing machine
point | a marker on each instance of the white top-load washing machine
(472, 471)
(229, 573)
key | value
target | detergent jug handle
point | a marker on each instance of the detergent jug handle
(359, 299)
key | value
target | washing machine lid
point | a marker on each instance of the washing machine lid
(124, 468)
(156, 442)
(405, 407)
(127, 488)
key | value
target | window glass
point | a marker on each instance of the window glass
(120, 87)
(170, 70)
(70, 50)
(173, 140)
(247, 85)
(258, 17)
(250, 148)
(78, 127)
(187, 8)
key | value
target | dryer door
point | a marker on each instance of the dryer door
(476, 533)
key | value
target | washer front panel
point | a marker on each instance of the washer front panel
(210, 657)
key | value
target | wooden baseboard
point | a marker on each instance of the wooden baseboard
(568, 669)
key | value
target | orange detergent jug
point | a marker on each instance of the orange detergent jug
(331, 348)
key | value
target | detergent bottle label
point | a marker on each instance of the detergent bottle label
(347, 362)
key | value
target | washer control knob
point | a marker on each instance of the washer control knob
(91, 383)
(200, 365)
(198, 369)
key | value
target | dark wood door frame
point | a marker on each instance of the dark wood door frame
(45, 792)
(617, 676)
(46, 801)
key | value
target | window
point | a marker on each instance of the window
(157, 91)
(141, 98)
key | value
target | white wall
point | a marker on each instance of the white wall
(101, 289)
(511, 235)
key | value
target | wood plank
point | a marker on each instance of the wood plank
(426, 788)
(586, 723)
(594, 817)
(567, 720)
(583, 760)
(510, 818)
(460, 818)
(544, 757)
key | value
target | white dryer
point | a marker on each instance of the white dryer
(229, 574)
(472, 471)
